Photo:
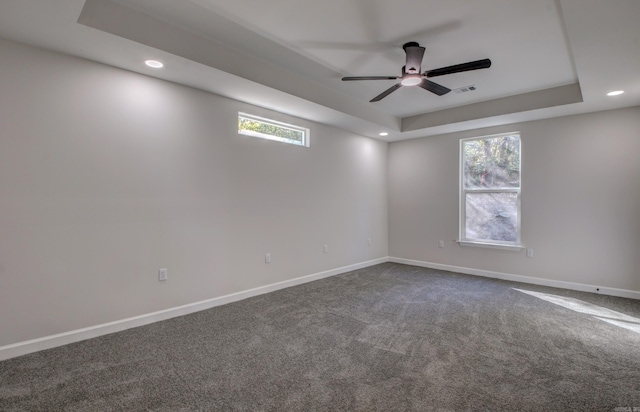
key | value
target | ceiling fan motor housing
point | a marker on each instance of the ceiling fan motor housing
(414, 57)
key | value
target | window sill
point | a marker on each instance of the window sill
(514, 248)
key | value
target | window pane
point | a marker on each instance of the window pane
(272, 130)
(492, 216)
(492, 162)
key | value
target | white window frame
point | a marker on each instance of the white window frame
(462, 239)
(305, 131)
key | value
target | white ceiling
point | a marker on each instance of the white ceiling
(550, 57)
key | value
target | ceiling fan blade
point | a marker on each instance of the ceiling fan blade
(434, 87)
(464, 67)
(386, 93)
(414, 57)
(344, 79)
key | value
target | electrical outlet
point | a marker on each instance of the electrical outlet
(163, 274)
(441, 243)
(267, 258)
(326, 248)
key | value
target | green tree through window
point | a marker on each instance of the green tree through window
(272, 130)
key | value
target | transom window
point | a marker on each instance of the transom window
(490, 190)
(255, 126)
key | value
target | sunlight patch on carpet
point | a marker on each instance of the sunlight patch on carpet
(607, 315)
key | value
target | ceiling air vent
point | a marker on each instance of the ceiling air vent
(465, 89)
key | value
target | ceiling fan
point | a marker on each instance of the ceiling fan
(411, 75)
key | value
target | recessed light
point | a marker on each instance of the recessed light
(384, 134)
(615, 93)
(154, 63)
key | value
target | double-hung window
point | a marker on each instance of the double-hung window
(490, 191)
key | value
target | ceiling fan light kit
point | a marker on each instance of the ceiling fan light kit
(412, 76)
(411, 80)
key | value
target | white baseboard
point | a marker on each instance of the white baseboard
(623, 293)
(48, 342)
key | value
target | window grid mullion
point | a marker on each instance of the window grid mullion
(501, 190)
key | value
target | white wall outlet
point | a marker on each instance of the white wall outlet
(267, 258)
(163, 274)
(369, 241)
(440, 243)
(529, 252)
(325, 248)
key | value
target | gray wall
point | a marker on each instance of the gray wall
(580, 200)
(107, 176)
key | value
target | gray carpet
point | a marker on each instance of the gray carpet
(387, 338)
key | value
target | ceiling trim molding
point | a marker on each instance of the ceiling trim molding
(114, 18)
(541, 99)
